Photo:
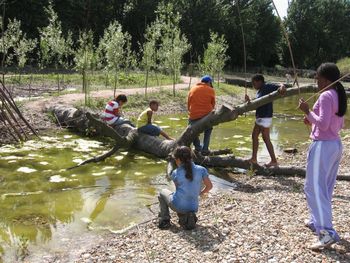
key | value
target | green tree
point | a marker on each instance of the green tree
(15, 46)
(85, 59)
(318, 31)
(215, 57)
(55, 49)
(149, 50)
(112, 49)
(173, 44)
(9, 39)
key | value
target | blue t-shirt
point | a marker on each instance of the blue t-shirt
(185, 198)
(265, 111)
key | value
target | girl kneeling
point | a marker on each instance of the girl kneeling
(188, 178)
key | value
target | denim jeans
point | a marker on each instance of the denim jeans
(165, 198)
(206, 139)
(150, 129)
(121, 121)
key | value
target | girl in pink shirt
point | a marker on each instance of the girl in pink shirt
(326, 119)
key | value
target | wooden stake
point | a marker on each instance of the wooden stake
(289, 47)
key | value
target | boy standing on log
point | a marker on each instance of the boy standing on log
(145, 121)
(112, 113)
(200, 102)
(263, 118)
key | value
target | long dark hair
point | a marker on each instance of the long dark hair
(184, 154)
(331, 72)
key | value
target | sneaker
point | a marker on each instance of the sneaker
(325, 240)
(191, 221)
(310, 225)
(164, 224)
(188, 221)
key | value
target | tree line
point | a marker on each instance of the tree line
(319, 31)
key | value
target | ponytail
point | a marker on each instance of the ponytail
(342, 98)
(331, 72)
(184, 154)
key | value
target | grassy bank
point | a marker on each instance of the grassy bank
(168, 102)
(97, 80)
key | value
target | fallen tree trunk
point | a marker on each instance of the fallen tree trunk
(125, 136)
(234, 162)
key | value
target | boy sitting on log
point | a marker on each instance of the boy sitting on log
(112, 113)
(145, 121)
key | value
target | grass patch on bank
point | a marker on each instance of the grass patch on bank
(137, 102)
(229, 90)
(97, 80)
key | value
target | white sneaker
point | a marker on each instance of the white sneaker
(325, 240)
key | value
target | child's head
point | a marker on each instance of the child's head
(258, 81)
(208, 80)
(154, 104)
(183, 156)
(121, 99)
(327, 73)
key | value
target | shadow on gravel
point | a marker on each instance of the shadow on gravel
(205, 238)
(340, 252)
(342, 197)
(242, 182)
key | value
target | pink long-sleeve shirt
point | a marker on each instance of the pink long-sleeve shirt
(325, 123)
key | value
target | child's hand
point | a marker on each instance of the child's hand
(246, 98)
(282, 90)
(304, 106)
(306, 121)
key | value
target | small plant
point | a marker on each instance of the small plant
(251, 171)
(22, 250)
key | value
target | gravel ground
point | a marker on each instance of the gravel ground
(260, 221)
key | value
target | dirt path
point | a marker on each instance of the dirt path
(41, 105)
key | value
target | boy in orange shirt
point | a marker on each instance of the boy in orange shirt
(200, 102)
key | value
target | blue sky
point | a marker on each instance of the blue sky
(282, 6)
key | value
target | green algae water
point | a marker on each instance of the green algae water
(47, 209)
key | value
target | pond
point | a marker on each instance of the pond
(45, 207)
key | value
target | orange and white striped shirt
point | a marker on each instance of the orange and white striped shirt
(111, 113)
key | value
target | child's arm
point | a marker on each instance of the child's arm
(282, 89)
(149, 115)
(323, 119)
(208, 185)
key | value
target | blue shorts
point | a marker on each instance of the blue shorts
(150, 129)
